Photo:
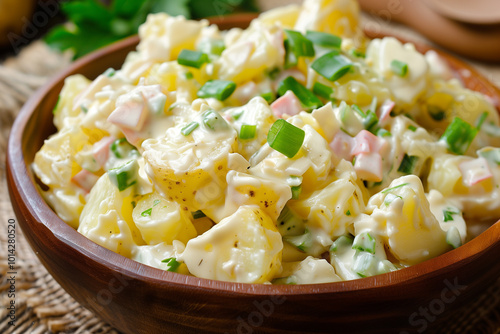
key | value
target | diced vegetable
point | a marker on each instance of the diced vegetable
(303, 242)
(213, 120)
(192, 58)
(332, 65)
(306, 97)
(289, 223)
(364, 242)
(212, 46)
(172, 263)
(453, 237)
(247, 131)
(390, 197)
(285, 138)
(299, 45)
(408, 164)
(448, 214)
(398, 67)
(296, 190)
(198, 214)
(323, 91)
(121, 148)
(324, 39)
(342, 242)
(219, 89)
(458, 136)
(186, 131)
(125, 175)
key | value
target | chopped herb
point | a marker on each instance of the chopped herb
(303, 242)
(491, 154)
(332, 65)
(342, 243)
(212, 46)
(219, 89)
(412, 128)
(394, 188)
(186, 131)
(125, 175)
(296, 190)
(370, 121)
(323, 91)
(285, 138)
(481, 120)
(213, 120)
(436, 113)
(390, 197)
(358, 54)
(84, 109)
(383, 133)
(448, 214)
(188, 75)
(237, 114)
(458, 136)
(358, 110)
(172, 263)
(289, 223)
(453, 237)
(110, 72)
(268, 96)
(324, 39)
(294, 181)
(348, 213)
(305, 96)
(192, 58)
(147, 213)
(364, 242)
(400, 68)
(121, 148)
(408, 164)
(247, 131)
(198, 214)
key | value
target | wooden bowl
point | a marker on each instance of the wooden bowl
(136, 298)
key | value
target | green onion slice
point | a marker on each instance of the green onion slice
(213, 120)
(481, 120)
(198, 214)
(219, 89)
(332, 65)
(247, 131)
(458, 136)
(125, 175)
(448, 214)
(408, 164)
(453, 237)
(364, 242)
(307, 98)
(121, 148)
(303, 242)
(268, 96)
(186, 131)
(400, 68)
(172, 263)
(147, 212)
(323, 91)
(394, 188)
(192, 58)
(299, 45)
(296, 190)
(285, 138)
(324, 39)
(342, 243)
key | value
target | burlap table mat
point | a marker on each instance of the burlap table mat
(42, 306)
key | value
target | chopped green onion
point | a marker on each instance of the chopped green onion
(348, 213)
(219, 89)
(172, 263)
(121, 148)
(305, 96)
(294, 181)
(492, 154)
(453, 237)
(358, 54)
(247, 131)
(332, 65)
(156, 202)
(84, 109)
(212, 46)
(57, 105)
(412, 128)
(192, 58)
(109, 72)
(299, 45)
(285, 138)
(394, 188)
(370, 121)
(458, 136)
(399, 67)
(436, 113)
(390, 197)
(237, 114)
(273, 74)
(491, 129)
(213, 120)
(481, 120)
(324, 39)
(289, 280)
(364, 242)
(323, 91)
(147, 213)
(303, 242)
(198, 214)
(268, 96)
(358, 110)
(188, 75)
(408, 164)
(125, 175)
(296, 190)
(289, 223)
(383, 133)
(365, 264)
(186, 131)
(342, 243)
(448, 214)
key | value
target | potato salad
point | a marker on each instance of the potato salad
(296, 151)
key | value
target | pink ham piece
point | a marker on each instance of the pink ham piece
(131, 114)
(384, 112)
(100, 150)
(475, 171)
(342, 145)
(287, 104)
(85, 180)
(367, 142)
(368, 166)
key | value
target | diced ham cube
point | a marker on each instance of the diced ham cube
(287, 104)
(475, 171)
(131, 114)
(342, 145)
(100, 150)
(85, 180)
(384, 112)
(367, 142)
(368, 166)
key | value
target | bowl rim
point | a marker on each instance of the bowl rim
(20, 180)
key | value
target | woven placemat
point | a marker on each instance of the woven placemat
(42, 306)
